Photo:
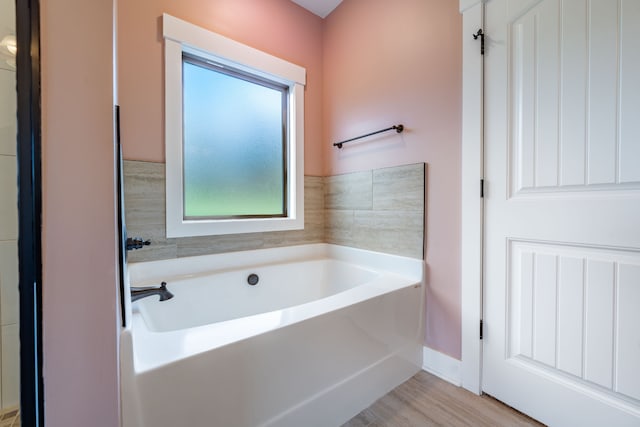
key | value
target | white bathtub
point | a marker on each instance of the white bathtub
(325, 332)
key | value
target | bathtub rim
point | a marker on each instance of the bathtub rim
(149, 272)
(153, 350)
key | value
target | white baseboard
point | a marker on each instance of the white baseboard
(441, 365)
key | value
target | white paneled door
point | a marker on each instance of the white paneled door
(562, 210)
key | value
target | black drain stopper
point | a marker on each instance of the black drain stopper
(253, 279)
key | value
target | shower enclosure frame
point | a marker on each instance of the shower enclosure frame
(29, 210)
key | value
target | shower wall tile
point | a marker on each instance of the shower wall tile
(9, 192)
(8, 112)
(10, 366)
(9, 281)
(392, 221)
(8, 139)
(9, 370)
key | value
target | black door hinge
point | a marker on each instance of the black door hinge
(481, 35)
(481, 324)
(482, 188)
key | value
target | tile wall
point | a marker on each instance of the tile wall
(9, 344)
(381, 210)
(144, 192)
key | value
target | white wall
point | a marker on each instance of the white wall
(9, 357)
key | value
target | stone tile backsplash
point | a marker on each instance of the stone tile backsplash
(349, 191)
(381, 210)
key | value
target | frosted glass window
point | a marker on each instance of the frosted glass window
(234, 135)
(234, 153)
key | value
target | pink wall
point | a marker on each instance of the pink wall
(388, 62)
(277, 27)
(80, 315)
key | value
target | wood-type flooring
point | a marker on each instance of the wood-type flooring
(426, 400)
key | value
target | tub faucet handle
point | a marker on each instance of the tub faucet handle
(137, 243)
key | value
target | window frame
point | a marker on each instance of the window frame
(180, 38)
(216, 67)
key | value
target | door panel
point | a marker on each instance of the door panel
(572, 309)
(575, 109)
(630, 89)
(628, 319)
(562, 209)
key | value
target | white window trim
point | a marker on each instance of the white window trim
(181, 36)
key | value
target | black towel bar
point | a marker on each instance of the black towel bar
(398, 128)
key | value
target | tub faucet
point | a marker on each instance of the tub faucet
(147, 291)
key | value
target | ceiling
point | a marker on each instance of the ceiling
(320, 7)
